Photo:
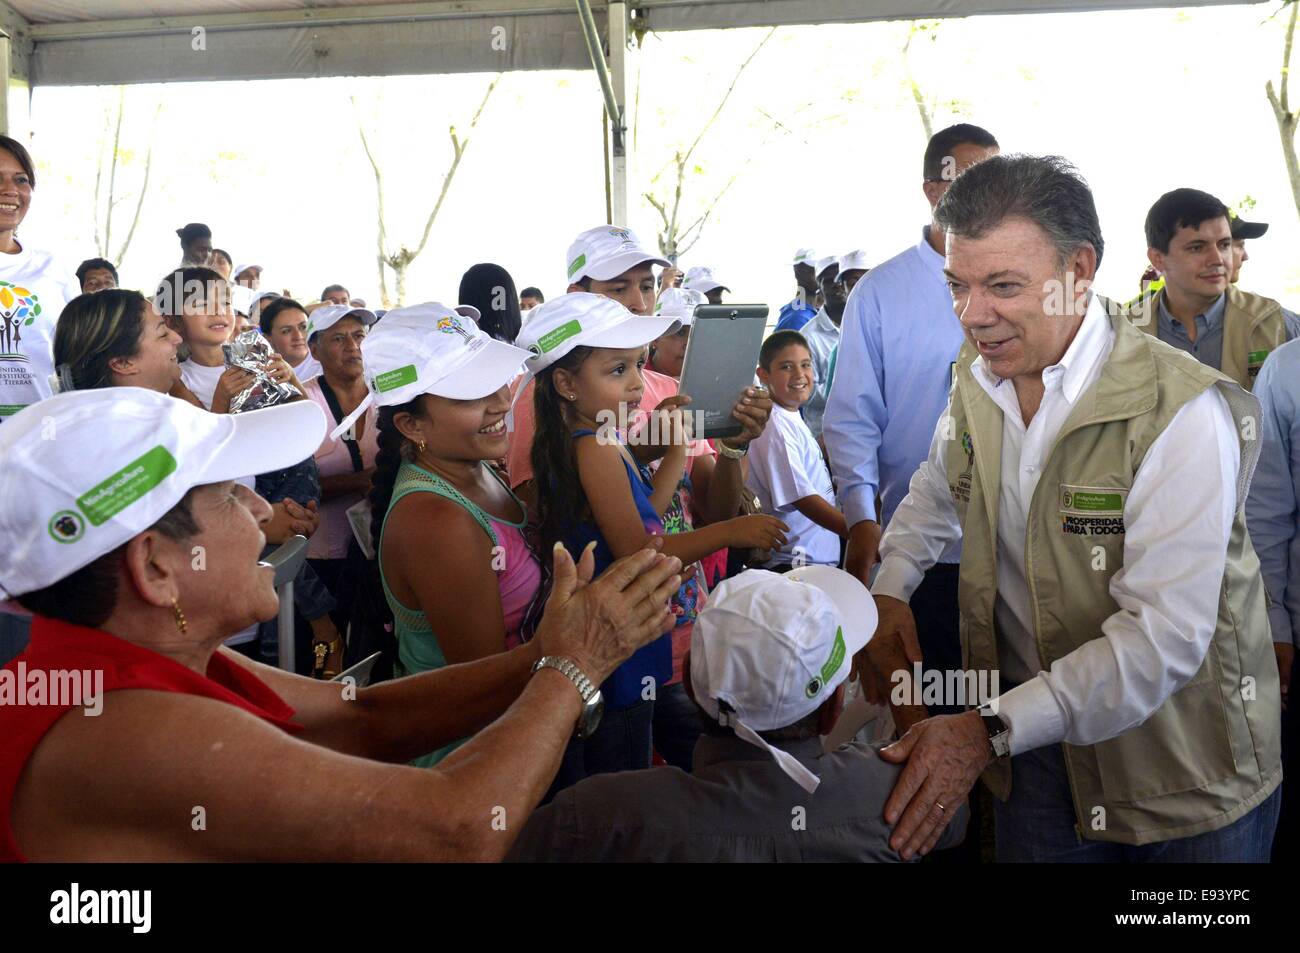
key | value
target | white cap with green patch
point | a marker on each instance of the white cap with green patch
(579, 319)
(607, 251)
(770, 649)
(431, 349)
(84, 472)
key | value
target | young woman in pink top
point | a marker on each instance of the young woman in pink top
(456, 566)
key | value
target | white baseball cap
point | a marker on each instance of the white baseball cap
(804, 256)
(679, 303)
(773, 648)
(325, 317)
(259, 296)
(83, 472)
(240, 269)
(605, 252)
(578, 318)
(703, 280)
(431, 349)
(241, 298)
(824, 263)
(855, 260)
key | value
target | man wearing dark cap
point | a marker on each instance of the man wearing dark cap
(1242, 232)
(1199, 310)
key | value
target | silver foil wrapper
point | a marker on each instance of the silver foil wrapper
(252, 352)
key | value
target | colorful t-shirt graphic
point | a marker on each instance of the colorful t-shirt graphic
(33, 291)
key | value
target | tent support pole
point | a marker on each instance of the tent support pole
(4, 83)
(613, 88)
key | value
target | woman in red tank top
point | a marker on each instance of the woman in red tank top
(131, 734)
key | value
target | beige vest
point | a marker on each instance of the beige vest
(1252, 327)
(1210, 753)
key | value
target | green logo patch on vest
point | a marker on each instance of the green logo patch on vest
(1254, 361)
(961, 489)
(1092, 510)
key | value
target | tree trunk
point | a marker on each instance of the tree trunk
(1286, 119)
(400, 273)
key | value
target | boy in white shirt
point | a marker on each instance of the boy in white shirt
(786, 469)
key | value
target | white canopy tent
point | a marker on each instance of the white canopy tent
(94, 42)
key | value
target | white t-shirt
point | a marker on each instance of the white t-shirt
(201, 380)
(786, 465)
(34, 288)
(308, 369)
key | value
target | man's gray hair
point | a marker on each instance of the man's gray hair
(1046, 190)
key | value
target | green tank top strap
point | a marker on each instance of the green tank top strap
(413, 479)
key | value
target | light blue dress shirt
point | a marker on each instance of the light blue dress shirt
(898, 339)
(1208, 346)
(1272, 511)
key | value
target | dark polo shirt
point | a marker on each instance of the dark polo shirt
(737, 806)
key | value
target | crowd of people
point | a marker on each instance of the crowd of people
(1078, 515)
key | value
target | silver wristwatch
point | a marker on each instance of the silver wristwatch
(731, 453)
(593, 705)
(998, 731)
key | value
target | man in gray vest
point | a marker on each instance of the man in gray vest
(1200, 311)
(1096, 478)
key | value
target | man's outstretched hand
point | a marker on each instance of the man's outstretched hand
(944, 757)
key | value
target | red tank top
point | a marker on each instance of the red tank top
(31, 701)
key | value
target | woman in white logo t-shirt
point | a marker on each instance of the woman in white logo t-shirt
(34, 287)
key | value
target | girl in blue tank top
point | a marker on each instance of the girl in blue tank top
(593, 489)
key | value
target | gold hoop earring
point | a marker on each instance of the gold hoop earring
(179, 617)
(421, 446)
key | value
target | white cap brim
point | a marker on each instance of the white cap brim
(853, 600)
(634, 332)
(609, 268)
(260, 441)
(708, 286)
(494, 366)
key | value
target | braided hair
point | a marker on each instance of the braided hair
(560, 499)
(388, 461)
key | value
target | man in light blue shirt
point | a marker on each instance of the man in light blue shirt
(1273, 517)
(898, 341)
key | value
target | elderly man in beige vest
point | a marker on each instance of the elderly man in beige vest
(1096, 478)
(1199, 310)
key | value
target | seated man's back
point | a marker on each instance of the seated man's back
(739, 805)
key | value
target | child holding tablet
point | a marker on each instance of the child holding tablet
(588, 354)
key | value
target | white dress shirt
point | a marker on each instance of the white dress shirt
(1174, 555)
